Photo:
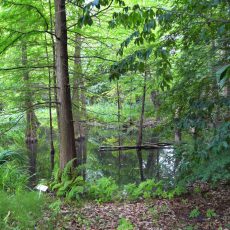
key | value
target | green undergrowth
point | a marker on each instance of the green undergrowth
(67, 184)
(20, 208)
(125, 224)
(13, 177)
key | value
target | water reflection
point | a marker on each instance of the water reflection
(157, 164)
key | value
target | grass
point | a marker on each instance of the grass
(20, 210)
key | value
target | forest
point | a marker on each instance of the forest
(115, 114)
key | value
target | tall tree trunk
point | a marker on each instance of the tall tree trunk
(80, 107)
(31, 122)
(67, 142)
(140, 131)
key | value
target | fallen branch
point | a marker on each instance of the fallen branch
(151, 146)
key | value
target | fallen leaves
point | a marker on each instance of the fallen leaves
(151, 214)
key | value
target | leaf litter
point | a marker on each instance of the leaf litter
(156, 214)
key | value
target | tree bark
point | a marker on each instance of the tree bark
(67, 142)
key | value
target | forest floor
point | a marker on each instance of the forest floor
(209, 210)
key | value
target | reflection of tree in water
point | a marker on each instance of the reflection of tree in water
(129, 171)
(156, 163)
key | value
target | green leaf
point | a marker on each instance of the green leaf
(223, 74)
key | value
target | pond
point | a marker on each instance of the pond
(123, 166)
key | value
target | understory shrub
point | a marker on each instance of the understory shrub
(145, 189)
(103, 190)
(68, 184)
(210, 162)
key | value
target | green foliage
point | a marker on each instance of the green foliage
(67, 183)
(179, 190)
(146, 189)
(7, 155)
(223, 75)
(154, 212)
(55, 207)
(103, 190)
(21, 210)
(190, 227)
(71, 189)
(151, 189)
(125, 224)
(13, 178)
(194, 213)
(210, 213)
(211, 163)
(181, 45)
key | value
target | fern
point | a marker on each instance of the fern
(67, 183)
(6, 156)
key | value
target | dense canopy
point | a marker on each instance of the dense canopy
(113, 93)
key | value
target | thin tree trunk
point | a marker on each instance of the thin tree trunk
(156, 154)
(80, 108)
(76, 98)
(158, 166)
(152, 160)
(196, 134)
(140, 131)
(67, 141)
(84, 132)
(119, 125)
(54, 61)
(52, 150)
(31, 122)
(177, 138)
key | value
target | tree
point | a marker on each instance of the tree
(79, 100)
(31, 120)
(67, 141)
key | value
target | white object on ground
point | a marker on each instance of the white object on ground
(41, 187)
